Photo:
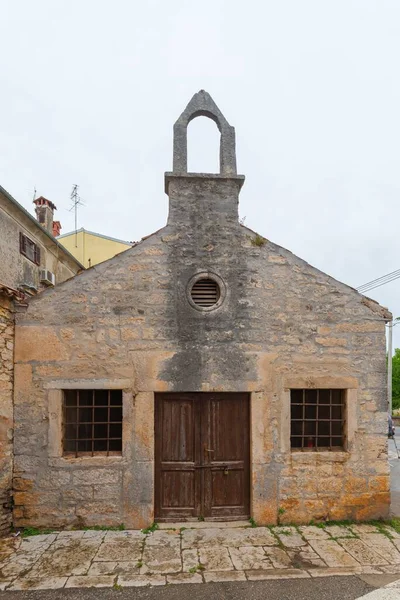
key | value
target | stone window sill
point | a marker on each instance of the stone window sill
(70, 455)
(314, 456)
(317, 450)
(86, 461)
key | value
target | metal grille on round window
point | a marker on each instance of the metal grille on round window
(205, 292)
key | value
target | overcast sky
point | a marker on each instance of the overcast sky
(90, 90)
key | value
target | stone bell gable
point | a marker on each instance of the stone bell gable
(204, 305)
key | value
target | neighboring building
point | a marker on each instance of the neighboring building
(30, 257)
(30, 260)
(92, 248)
(204, 373)
(7, 310)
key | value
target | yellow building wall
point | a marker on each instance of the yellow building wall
(91, 249)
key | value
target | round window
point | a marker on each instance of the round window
(205, 292)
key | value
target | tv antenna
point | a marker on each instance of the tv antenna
(76, 201)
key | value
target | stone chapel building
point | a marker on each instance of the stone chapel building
(205, 373)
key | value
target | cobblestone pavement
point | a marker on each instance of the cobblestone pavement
(80, 559)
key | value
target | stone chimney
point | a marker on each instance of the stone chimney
(45, 212)
(56, 228)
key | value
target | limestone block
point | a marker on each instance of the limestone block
(38, 343)
(332, 553)
(96, 476)
(380, 483)
(162, 560)
(355, 485)
(99, 581)
(249, 557)
(362, 553)
(329, 486)
(216, 559)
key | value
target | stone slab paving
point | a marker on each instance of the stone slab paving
(91, 558)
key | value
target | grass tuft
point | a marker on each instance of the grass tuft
(198, 567)
(257, 240)
(153, 527)
(31, 531)
(105, 528)
(394, 524)
(339, 523)
(252, 522)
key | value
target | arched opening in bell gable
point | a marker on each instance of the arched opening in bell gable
(203, 142)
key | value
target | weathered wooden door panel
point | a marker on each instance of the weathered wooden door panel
(202, 455)
(228, 490)
(177, 453)
(226, 435)
(178, 489)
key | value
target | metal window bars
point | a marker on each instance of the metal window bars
(317, 419)
(92, 423)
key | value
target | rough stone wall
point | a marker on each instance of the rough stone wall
(127, 323)
(6, 411)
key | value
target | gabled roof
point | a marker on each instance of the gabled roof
(381, 311)
(100, 235)
(370, 303)
(39, 226)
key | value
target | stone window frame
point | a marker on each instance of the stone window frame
(84, 419)
(55, 414)
(206, 275)
(304, 420)
(350, 387)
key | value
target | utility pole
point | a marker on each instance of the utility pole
(390, 355)
(391, 324)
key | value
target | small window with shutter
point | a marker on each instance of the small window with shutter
(29, 249)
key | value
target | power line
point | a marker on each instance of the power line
(380, 281)
(394, 273)
(379, 285)
(371, 285)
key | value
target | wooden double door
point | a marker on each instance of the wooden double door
(202, 456)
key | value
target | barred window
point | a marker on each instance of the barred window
(92, 422)
(317, 419)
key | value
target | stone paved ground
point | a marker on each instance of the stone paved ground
(131, 558)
